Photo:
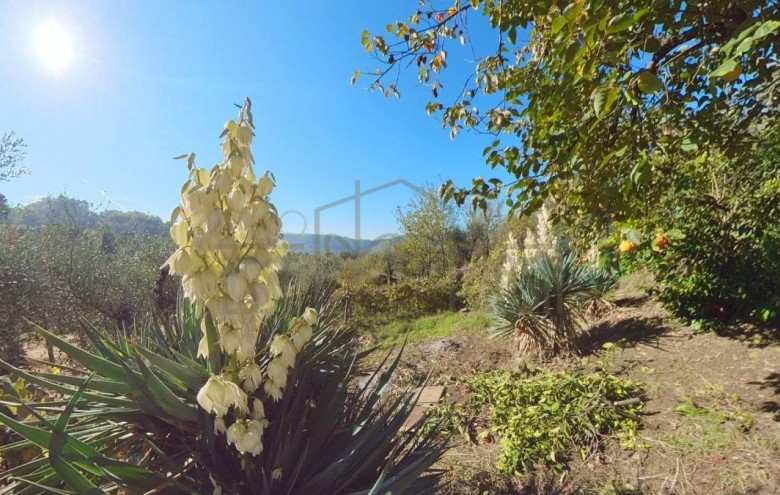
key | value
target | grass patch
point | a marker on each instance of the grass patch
(432, 327)
(708, 429)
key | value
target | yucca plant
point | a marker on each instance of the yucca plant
(128, 419)
(545, 304)
(247, 390)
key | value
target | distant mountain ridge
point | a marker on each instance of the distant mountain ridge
(62, 209)
(331, 243)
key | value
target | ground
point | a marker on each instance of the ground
(711, 424)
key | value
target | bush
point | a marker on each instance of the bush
(714, 245)
(544, 305)
(543, 417)
(726, 267)
(480, 279)
(408, 298)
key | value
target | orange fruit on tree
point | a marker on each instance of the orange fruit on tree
(439, 17)
(627, 247)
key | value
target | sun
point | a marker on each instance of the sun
(53, 45)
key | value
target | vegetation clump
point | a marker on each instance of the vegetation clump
(544, 417)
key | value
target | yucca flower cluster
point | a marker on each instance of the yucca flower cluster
(512, 262)
(229, 254)
(543, 240)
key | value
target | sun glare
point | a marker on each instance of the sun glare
(53, 46)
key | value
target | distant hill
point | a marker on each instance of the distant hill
(62, 209)
(307, 243)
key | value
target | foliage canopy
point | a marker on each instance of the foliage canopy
(588, 100)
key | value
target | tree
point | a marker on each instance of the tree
(588, 101)
(12, 153)
(427, 224)
(482, 229)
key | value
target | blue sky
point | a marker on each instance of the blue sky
(151, 80)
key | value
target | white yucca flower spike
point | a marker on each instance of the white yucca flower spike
(229, 252)
(512, 262)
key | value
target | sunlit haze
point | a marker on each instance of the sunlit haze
(53, 45)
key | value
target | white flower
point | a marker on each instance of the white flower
(310, 316)
(244, 133)
(259, 211)
(236, 200)
(300, 335)
(530, 246)
(282, 247)
(258, 410)
(229, 338)
(227, 148)
(219, 425)
(215, 221)
(179, 233)
(246, 350)
(236, 165)
(250, 268)
(218, 395)
(203, 347)
(236, 286)
(200, 286)
(183, 262)
(277, 372)
(247, 435)
(271, 279)
(259, 293)
(512, 264)
(284, 349)
(223, 183)
(251, 376)
(273, 390)
(266, 184)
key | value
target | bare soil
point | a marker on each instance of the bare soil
(733, 448)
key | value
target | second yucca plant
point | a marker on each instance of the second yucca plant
(545, 304)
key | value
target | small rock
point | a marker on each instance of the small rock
(443, 346)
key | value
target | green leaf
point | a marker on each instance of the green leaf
(215, 352)
(620, 23)
(649, 82)
(729, 70)
(765, 29)
(599, 99)
(194, 379)
(164, 397)
(557, 24)
(90, 361)
(689, 145)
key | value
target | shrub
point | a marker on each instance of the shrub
(480, 279)
(543, 417)
(545, 304)
(408, 298)
(712, 239)
(246, 391)
(726, 266)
